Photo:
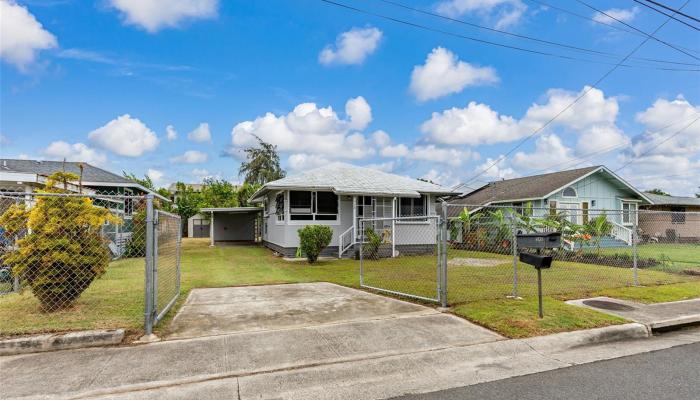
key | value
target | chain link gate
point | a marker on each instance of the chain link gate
(163, 240)
(403, 256)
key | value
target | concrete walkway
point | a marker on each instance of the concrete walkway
(655, 316)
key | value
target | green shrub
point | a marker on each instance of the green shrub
(313, 239)
(64, 252)
(370, 248)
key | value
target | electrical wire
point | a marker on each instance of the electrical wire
(521, 36)
(666, 14)
(679, 12)
(503, 45)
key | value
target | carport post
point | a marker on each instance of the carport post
(211, 228)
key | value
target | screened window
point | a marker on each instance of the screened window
(629, 213)
(678, 215)
(309, 206)
(413, 207)
(279, 207)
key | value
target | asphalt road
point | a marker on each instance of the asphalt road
(665, 374)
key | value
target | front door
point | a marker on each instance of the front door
(572, 211)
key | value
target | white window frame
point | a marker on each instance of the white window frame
(630, 221)
(569, 197)
(579, 210)
(280, 217)
(313, 213)
(417, 220)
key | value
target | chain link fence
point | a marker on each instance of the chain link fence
(470, 253)
(72, 260)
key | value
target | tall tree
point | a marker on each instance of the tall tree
(658, 191)
(146, 181)
(262, 164)
(187, 202)
(218, 193)
(244, 192)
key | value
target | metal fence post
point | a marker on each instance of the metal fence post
(514, 250)
(177, 259)
(362, 239)
(634, 248)
(149, 308)
(443, 260)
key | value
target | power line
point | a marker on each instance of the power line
(564, 10)
(666, 14)
(679, 12)
(503, 45)
(638, 30)
(538, 130)
(521, 36)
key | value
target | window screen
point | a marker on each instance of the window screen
(678, 215)
(299, 202)
(326, 203)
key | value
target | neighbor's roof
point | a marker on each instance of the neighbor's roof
(673, 200)
(46, 168)
(532, 187)
(92, 176)
(347, 179)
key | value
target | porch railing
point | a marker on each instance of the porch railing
(346, 240)
(621, 232)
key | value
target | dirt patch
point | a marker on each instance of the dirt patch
(476, 262)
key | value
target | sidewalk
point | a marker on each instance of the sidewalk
(248, 366)
(655, 316)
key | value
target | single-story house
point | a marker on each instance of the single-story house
(581, 193)
(670, 219)
(340, 195)
(228, 224)
(26, 176)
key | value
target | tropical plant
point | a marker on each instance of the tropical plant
(370, 249)
(597, 228)
(218, 193)
(262, 164)
(503, 223)
(526, 221)
(313, 239)
(146, 181)
(245, 191)
(187, 202)
(64, 251)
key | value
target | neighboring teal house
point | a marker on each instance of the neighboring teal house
(580, 193)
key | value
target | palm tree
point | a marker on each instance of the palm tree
(262, 164)
(597, 228)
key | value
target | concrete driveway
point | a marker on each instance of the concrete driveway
(222, 311)
(247, 331)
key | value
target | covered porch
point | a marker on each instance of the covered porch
(234, 225)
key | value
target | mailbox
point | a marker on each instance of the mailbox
(536, 260)
(551, 240)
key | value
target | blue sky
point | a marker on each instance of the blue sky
(100, 81)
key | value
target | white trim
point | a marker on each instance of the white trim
(569, 197)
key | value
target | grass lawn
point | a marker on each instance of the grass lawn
(673, 255)
(116, 300)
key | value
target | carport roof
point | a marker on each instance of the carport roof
(350, 179)
(231, 209)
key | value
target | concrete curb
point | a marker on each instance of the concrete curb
(570, 340)
(61, 341)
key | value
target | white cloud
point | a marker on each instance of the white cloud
(443, 73)
(60, 150)
(387, 166)
(399, 150)
(622, 14)
(359, 113)
(170, 133)
(500, 170)
(200, 134)
(381, 138)
(22, 35)
(669, 149)
(502, 13)
(153, 15)
(125, 136)
(300, 162)
(592, 118)
(309, 129)
(191, 157)
(451, 156)
(549, 151)
(201, 174)
(351, 47)
(156, 176)
(444, 178)
(473, 125)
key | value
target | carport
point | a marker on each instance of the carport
(230, 225)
